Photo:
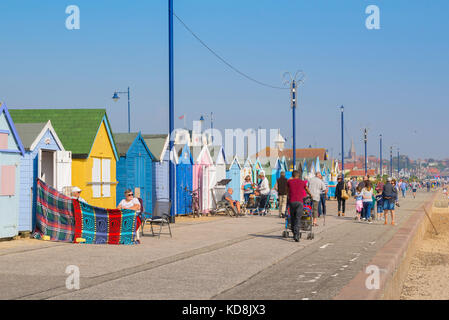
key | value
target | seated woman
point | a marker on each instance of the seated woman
(247, 188)
(130, 203)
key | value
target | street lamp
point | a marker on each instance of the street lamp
(116, 97)
(342, 110)
(381, 160)
(294, 82)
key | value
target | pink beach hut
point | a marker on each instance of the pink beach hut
(203, 176)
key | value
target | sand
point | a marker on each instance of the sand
(428, 277)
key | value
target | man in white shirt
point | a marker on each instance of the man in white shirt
(316, 187)
(76, 192)
(264, 191)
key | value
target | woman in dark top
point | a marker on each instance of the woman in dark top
(341, 202)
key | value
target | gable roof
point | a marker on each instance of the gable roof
(215, 152)
(32, 133)
(288, 153)
(77, 128)
(124, 141)
(157, 143)
(4, 109)
(234, 160)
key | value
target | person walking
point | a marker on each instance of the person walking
(297, 190)
(282, 188)
(264, 191)
(403, 187)
(358, 202)
(353, 185)
(389, 196)
(341, 199)
(323, 196)
(414, 188)
(367, 194)
(316, 186)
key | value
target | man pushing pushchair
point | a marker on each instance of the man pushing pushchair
(297, 191)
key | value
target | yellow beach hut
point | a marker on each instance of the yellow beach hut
(87, 133)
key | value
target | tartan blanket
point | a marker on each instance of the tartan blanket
(105, 226)
(54, 214)
(66, 219)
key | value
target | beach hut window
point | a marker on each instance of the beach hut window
(3, 141)
(106, 177)
(96, 171)
(7, 180)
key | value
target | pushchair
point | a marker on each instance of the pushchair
(306, 221)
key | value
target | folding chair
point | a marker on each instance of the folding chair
(161, 216)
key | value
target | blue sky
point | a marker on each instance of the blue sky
(393, 80)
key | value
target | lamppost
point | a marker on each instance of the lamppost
(294, 82)
(171, 106)
(399, 169)
(342, 110)
(365, 132)
(115, 97)
(391, 161)
(381, 162)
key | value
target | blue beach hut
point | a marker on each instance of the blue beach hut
(276, 169)
(134, 168)
(158, 145)
(233, 173)
(184, 175)
(45, 158)
(11, 150)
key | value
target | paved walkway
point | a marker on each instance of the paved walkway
(219, 258)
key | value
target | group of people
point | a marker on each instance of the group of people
(251, 191)
(369, 196)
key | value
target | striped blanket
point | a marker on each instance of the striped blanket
(105, 226)
(66, 219)
(54, 214)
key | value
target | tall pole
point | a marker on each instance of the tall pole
(212, 128)
(342, 108)
(293, 88)
(391, 161)
(381, 162)
(399, 169)
(171, 113)
(366, 158)
(129, 114)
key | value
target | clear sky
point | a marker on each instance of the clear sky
(395, 80)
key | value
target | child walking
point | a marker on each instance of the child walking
(380, 205)
(358, 201)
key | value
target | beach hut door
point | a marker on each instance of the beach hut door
(63, 170)
(212, 183)
(46, 167)
(205, 188)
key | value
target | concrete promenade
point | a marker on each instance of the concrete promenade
(217, 258)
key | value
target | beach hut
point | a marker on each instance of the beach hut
(134, 168)
(246, 170)
(184, 166)
(257, 166)
(11, 150)
(45, 158)
(218, 156)
(204, 176)
(233, 173)
(87, 134)
(276, 168)
(158, 145)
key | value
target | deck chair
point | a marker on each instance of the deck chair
(222, 206)
(161, 216)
